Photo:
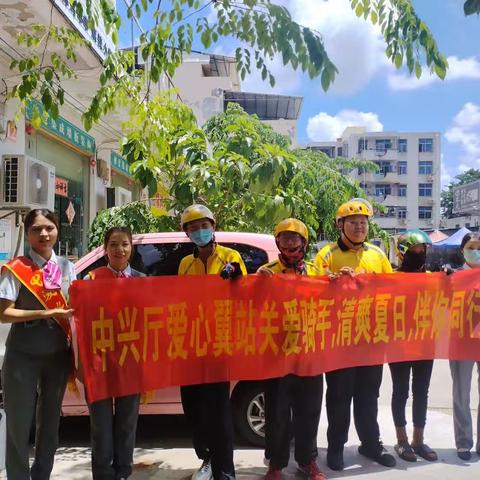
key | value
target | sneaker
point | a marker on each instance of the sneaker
(204, 472)
(273, 474)
(335, 459)
(311, 471)
(381, 456)
(464, 454)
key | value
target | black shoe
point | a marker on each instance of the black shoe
(335, 459)
(464, 455)
(380, 456)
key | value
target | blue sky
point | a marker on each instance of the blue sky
(370, 91)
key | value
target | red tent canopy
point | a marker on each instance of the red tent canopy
(437, 236)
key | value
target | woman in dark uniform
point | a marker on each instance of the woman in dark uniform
(113, 421)
(38, 360)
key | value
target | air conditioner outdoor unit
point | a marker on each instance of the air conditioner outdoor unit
(402, 221)
(118, 196)
(27, 183)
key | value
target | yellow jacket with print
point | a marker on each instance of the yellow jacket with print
(193, 265)
(278, 267)
(368, 259)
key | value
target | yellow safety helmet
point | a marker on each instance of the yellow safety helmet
(356, 206)
(292, 225)
(195, 212)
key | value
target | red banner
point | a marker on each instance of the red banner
(141, 334)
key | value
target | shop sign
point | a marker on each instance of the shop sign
(63, 128)
(101, 43)
(61, 187)
(119, 163)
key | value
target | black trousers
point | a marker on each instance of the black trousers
(113, 427)
(363, 385)
(208, 411)
(24, 377)
(303, 397)
(421, 374)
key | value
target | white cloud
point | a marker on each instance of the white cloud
(287, 80)
(324, 127)
(459, 69)
(353, 44)
(446, 173)
(465, 132)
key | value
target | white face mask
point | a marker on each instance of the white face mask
(472, 257)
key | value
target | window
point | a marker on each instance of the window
(424, 213)
(402, 190)
(383, 190)
(384, 168)
(339, 152)
(383, 144)
(425, 168)
(157, 259)
(401, 212)
(425, 145)
(362, 145)
(402, 168)
(402, 145)
(424, 189)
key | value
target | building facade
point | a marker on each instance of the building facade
(407, 182)
(85, 169)
(59, 165)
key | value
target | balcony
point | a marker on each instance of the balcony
(380, 177)
(391, 222)
(426, 201)
(391, 200)
(378, 155)
(426, 224)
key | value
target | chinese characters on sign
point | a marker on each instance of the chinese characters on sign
(63, 128)
(298, 326)
(61, 187)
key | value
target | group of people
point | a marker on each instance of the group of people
(38, 362)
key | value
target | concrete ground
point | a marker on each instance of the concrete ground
(164, 448)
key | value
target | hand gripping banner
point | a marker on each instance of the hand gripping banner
(141, 334)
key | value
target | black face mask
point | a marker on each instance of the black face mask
(414, 262)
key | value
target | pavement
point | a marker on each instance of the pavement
(164, 451)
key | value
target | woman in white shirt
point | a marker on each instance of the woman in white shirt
(38, 359)
(462, 370)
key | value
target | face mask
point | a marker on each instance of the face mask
(472, 257)
(413, 262)
(202, 237)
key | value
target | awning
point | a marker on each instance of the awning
(454, 240)
(266, 106)
(437, 236)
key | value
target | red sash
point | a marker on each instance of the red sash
(30, 276)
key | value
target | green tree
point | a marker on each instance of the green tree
(263, 30)
(136, 215)
(471, 7)
(446, 202)
(247, 173)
